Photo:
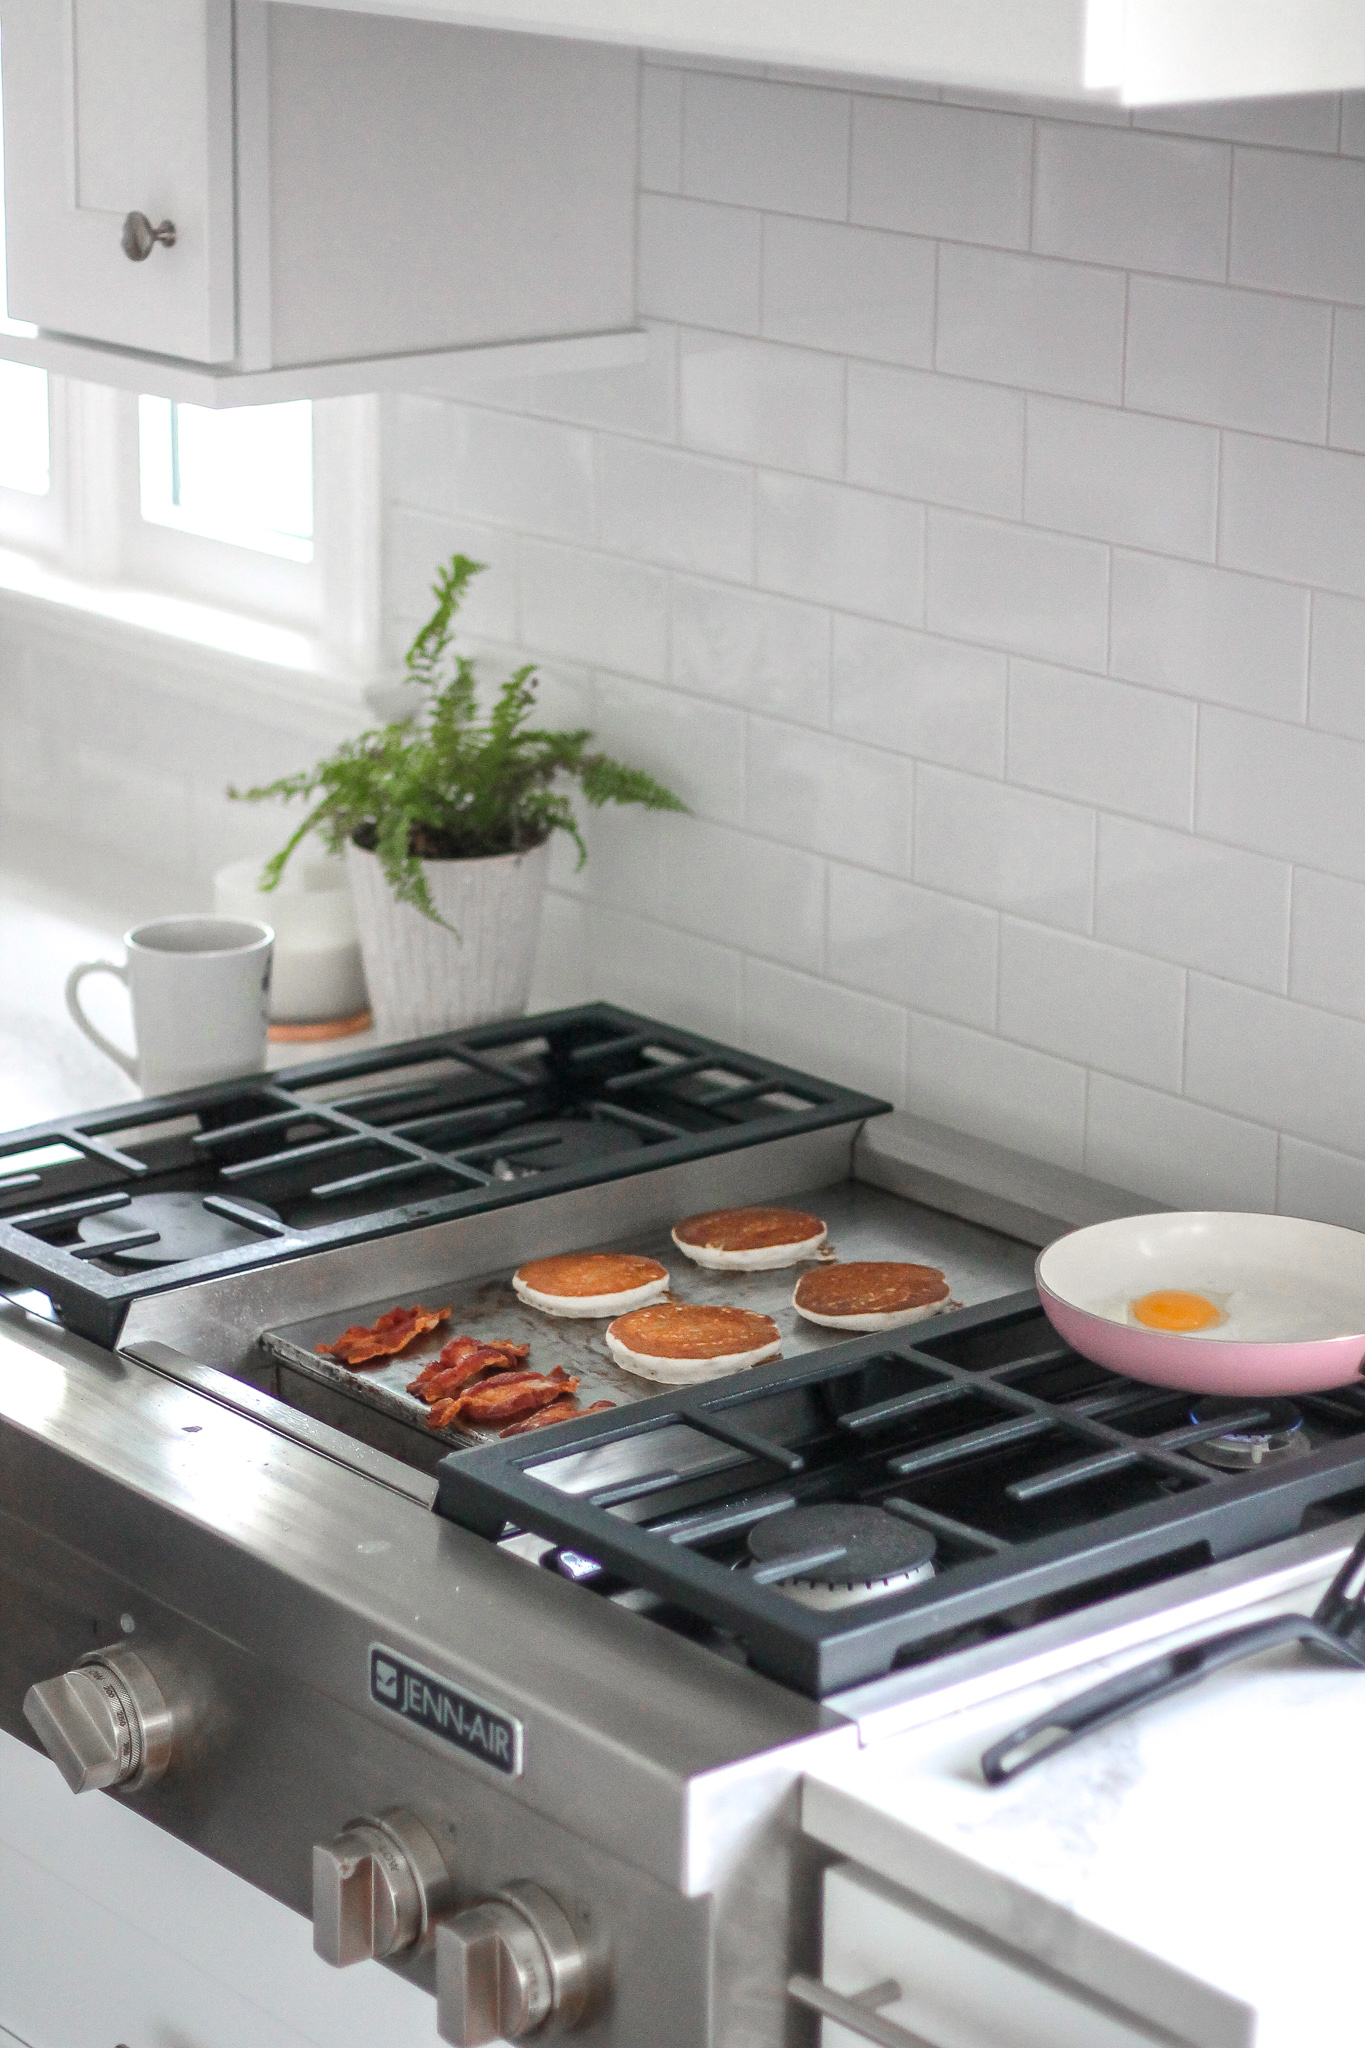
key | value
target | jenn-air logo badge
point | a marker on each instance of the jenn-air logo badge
(457, 1717)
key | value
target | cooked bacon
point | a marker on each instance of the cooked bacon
(386, 1336)
(512, 1395)
(465, 1359)
(558, 1411)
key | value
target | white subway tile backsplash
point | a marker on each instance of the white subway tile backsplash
(752, 143)
(691, 981)
(935, 437)
(1282, 789)
(1187, 900)
(830, 795)
(593, 608)
(762, 402)
(1305, 121)
(996, 845)
(934, 170)
(661, 118)
(1116, 476)
(1321, 1184)
(1234, 358)
(1176, 1151)
(681, 510)
(855, 290)
(1347, 429)
(524, 473)
(913, 946)
(1298, 224)
(1147, 202)
(741, 890)
(841, 547)
(936, 699)
(853, 1038)
(992, 1089)
(1293, 512)
(966, 419)
(694, 747)
(1094, 1004)
(1336, 670)
(1276, 1062)
(699, 263)
(1210, 633)
(1037, 593)
(563, 971)
(762, 653)
(1031, 322)
(1102, 742)
(1327, 959)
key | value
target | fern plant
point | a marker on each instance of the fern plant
(447, 784)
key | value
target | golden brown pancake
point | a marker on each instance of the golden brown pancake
(590, 1283)
(755, 1239)
(677, 1341)
(870, 1294)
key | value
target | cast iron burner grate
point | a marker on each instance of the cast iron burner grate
(365, 1145)
(1044, 1481)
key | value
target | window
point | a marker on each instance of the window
(25, 429)
(244, 477)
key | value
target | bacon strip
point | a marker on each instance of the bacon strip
(385, 1337)
(558, 1411)
(462, 1360)
(504, 1398)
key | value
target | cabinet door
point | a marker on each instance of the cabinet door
(113, 107)
(951, 1991)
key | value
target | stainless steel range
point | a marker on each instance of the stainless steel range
(527, 1721)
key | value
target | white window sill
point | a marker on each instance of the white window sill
(252, 654)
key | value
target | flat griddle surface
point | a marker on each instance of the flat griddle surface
(864, 1223)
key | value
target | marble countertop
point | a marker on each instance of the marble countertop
(1197, 1862)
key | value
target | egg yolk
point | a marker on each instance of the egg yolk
(1171, 1308)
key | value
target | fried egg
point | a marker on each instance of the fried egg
(1177, 1311)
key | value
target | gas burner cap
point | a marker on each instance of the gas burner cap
(185, 1228)
(878, 1553)
(1243, 1447)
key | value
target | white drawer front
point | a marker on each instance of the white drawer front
(955, 1992)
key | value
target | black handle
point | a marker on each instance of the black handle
(1156, 1679)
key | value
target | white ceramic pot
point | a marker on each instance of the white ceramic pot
(421, 977)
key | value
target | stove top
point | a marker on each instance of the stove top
(100, 1210)
(888, 1500)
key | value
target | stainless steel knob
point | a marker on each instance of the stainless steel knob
(510, 1966)
(104, 1723)
(377, 1888)
(139, 237)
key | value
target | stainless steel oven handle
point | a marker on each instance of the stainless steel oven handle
(859, 2014)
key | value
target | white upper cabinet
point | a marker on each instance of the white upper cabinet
(353, 201)
(114, 107)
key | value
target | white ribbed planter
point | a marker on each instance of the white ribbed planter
(421, 977)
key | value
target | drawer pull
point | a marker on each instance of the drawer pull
(858, 2014)
(139, 237)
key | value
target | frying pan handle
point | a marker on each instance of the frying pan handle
(1156, 1679)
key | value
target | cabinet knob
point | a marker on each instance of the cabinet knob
(509, 1964)
(376, 1887)
(104, 1723)
(139, 237)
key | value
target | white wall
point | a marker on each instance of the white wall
(982, 554)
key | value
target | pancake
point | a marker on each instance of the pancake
(749, 1240)
(590, 1283)
(677, 1343)
(873, 1294)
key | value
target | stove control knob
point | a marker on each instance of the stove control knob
(377, 1887)
(510, 1965)
(104, 1723)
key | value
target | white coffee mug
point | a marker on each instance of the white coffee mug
(200, 988)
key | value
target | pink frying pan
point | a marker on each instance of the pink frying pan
(1290, 1297)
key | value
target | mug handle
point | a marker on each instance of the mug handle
(82, 1022)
